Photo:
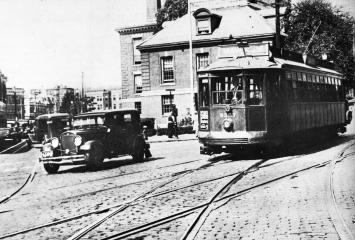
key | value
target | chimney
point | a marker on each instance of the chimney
(152, 9)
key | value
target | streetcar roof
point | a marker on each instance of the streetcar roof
(262, 62)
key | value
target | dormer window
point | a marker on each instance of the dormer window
(204, 26)
(206, 22)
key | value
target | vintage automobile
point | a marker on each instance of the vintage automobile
(47, 126)
(94, 137)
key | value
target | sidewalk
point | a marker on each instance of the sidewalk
(164, 138)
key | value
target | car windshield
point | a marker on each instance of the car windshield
(90, 121)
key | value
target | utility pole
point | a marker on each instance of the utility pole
(277, 25)
(82, 92)
(15, 100)
(189, 11)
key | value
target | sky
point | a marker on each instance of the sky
(45, 43)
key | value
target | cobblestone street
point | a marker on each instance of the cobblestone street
(290, 196)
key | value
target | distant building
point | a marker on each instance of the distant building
(15, 106)
(116, 97)
(38, 103)
(131, 60)
(105, 99)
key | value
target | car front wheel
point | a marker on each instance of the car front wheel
(94, 157)
(51, 168)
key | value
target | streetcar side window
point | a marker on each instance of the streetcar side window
(255, 90)
(204, 95)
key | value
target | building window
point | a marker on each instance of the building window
(138, 83)
(167, 101)
(167, 69)
(114, 106)
(136, 52)
(201, 60)
(138, 106)
(203, 26)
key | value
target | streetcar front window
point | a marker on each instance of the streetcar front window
(227, 90)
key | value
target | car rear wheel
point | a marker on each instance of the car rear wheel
(138, 152)
(95, 157)
(51, 168)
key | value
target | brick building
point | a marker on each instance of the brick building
(131, 59)
(215, 33)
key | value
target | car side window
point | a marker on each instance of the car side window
(127, 118)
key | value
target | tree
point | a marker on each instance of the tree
(67, 103)
(333, 36)
(173, 9)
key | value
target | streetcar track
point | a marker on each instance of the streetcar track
(119, 205)
(341, 227)
(98, 222)
(226, 198)
(29, 179)
(106, 208)
(156, 223)
(222, 191)
(124, 174)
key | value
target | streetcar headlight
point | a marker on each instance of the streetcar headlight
(77, 141)
(227, 124)
(55, 142)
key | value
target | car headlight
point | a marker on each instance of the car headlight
(77, 141)
(55, 142)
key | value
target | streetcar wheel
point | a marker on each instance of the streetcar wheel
(95, 157)
(51, 168)
(138, 152)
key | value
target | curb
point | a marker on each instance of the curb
(171, 140)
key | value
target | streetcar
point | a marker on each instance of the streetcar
(265, 98)
(4, 130)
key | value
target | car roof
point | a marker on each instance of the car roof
(53, 115)
(105, 112)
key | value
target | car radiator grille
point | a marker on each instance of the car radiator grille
(67, 142)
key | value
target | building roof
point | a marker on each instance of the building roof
(239, 22)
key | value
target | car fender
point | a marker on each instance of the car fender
(88, 145)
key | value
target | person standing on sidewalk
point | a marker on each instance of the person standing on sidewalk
(170, 125)
(174, 116)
